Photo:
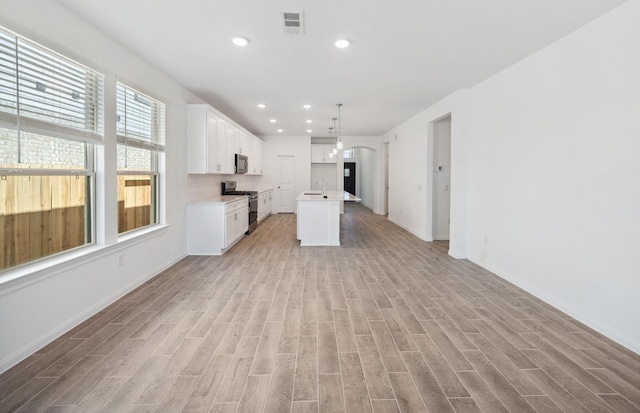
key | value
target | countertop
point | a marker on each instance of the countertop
(224, 199)
(310, 195)
(331, 196)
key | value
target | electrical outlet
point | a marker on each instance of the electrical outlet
(120, 260)
(486, 240)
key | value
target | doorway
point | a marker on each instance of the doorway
(285, 184)
(385, 208)
(350, 177)
(441, 178)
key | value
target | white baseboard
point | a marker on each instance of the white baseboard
(409, 230)
(457, 255)
(615, 335)
(19, 355)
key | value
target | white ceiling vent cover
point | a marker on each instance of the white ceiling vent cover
(292, 22)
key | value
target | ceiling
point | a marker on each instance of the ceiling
(404, 55)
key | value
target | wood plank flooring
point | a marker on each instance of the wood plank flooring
(385, 323)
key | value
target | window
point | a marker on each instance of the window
(50, 118)
(140, 128)
(349, 153)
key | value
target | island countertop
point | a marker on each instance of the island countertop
(316, 195)
(318, 218)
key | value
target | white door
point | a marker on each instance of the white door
(285, 180)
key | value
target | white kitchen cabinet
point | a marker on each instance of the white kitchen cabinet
(236, 222)
(208, 144)
(203, 144)
(213, 141)
(213, 226)
(243, 143)
(256, 156)
(265, 204)
(229, 133)
(320, 153)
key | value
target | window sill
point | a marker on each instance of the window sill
(28, 274)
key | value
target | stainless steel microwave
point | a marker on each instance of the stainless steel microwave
(242, 164)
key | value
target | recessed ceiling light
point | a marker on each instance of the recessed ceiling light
(280, 130)
(262, 105)
(342, 43)
(240, 41)
(309, 121)
(272, 120)
(309, 131)
(307, 106)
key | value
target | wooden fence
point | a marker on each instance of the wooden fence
(134, 202)
(44, 215)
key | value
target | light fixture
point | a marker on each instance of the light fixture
(342, 43)
(331, 135)
(280, 130)
(309, 131)
(306, 106)
(262, 105)
(240, 41)
(339, 143)
(309, 121)
(272, 120)
(334, 150)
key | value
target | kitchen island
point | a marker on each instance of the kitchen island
(318, 218)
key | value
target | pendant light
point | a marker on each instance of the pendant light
(331, 134)
(334, 150)
(339, 144)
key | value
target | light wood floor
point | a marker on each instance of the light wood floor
(386, 323)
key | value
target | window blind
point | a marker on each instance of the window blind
(140, 119)
(46, 93)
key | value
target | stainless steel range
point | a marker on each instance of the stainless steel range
(229, 188)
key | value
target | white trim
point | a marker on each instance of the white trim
(19, 355)
(408, 229)
(28, 274)
(457, 255)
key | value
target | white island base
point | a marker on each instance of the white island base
(319, 218)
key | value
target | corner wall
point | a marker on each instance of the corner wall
(545, 167)
(554, 194)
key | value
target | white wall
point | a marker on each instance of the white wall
(545, 167)
(366, 172)
(411, 172)
(205, 186)
(37, 302)
(555, 177)
(298, 146)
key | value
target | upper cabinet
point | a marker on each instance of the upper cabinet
(320, 153)
(213, 142)
(255, 149)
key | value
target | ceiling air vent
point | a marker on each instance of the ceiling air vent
(292, 22)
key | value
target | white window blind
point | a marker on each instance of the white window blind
(45, 93)
(140, 119)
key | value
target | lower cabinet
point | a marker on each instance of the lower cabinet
(265, 204)
(236, 223)
(214, 226)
